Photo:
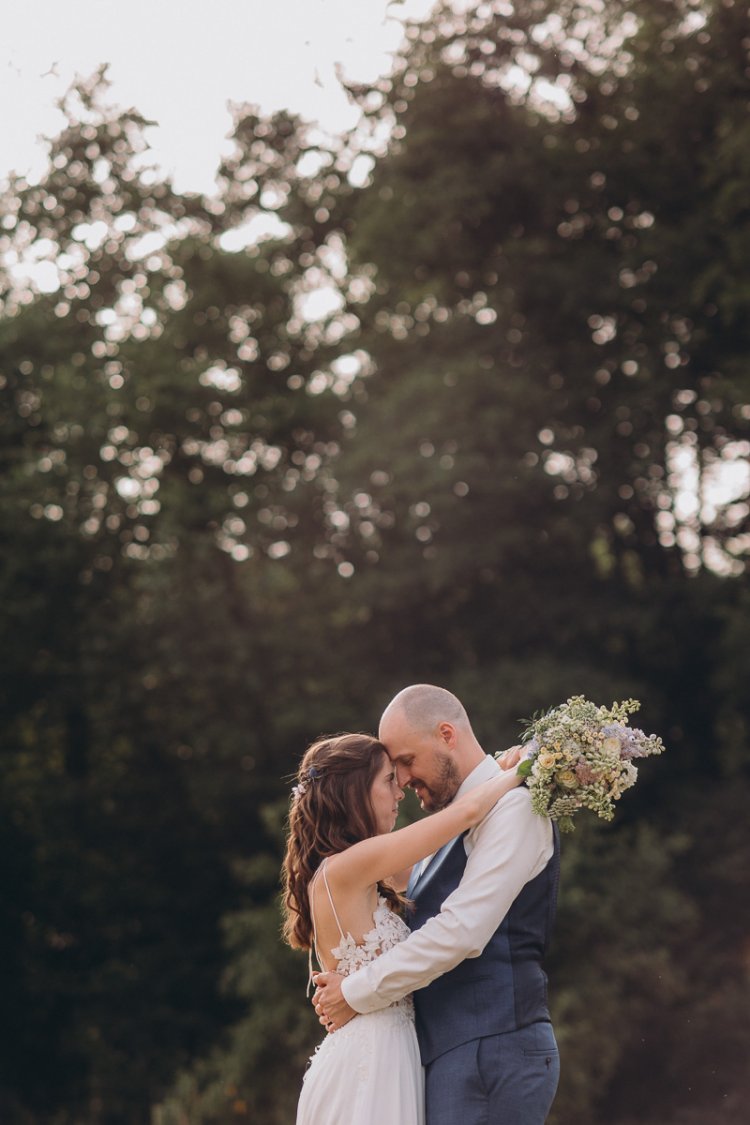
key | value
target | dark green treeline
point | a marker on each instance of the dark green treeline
(473, 408)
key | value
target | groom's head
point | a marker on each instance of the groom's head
(428, 736)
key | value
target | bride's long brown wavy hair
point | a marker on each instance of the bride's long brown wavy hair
(330, 811)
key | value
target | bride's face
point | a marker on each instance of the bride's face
(385, 794)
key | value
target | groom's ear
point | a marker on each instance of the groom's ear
(447, 734)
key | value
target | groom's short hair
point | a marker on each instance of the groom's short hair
(425, 706)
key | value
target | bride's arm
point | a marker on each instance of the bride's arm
(380, 856)
(399, 880)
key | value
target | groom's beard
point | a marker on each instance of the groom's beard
(443, 788)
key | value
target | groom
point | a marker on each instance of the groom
(483, 910)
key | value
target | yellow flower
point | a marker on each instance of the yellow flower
(546, 759)
(568, 779)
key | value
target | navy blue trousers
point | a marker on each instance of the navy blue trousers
(508, 1079)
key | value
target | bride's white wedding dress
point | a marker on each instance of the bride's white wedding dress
(368, 1072)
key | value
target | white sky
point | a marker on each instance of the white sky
(180, 61)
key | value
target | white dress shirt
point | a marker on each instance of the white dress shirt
(511, 846)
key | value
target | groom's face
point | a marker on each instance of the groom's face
(423, 763)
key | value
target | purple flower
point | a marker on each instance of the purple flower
(530, 749)
(633, 742)
(636, 745)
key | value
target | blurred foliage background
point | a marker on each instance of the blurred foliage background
(461, 397)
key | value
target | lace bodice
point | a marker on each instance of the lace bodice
(387, 931)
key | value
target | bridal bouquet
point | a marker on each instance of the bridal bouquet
(580, 756)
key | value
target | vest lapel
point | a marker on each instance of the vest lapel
(413, 880)
(416, 885)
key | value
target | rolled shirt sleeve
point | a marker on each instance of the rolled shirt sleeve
(511, 846)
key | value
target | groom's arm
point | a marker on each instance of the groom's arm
(510, 847)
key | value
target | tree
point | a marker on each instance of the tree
(158, 458)
(271, 454)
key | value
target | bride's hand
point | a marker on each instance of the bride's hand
(510, 759)
(329, 1003)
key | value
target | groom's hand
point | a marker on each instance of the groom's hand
(329, 1003)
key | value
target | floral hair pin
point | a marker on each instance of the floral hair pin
(310, 775)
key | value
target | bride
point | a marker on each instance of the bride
(344, 874)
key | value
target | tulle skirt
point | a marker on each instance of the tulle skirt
(367, 1073)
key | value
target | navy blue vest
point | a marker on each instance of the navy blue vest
(503, 989)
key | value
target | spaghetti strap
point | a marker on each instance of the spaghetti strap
(330, 898)
(314, 927)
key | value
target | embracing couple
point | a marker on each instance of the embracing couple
(456, 909)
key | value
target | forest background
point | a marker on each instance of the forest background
(462, 397)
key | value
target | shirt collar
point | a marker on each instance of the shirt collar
(486, 770)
